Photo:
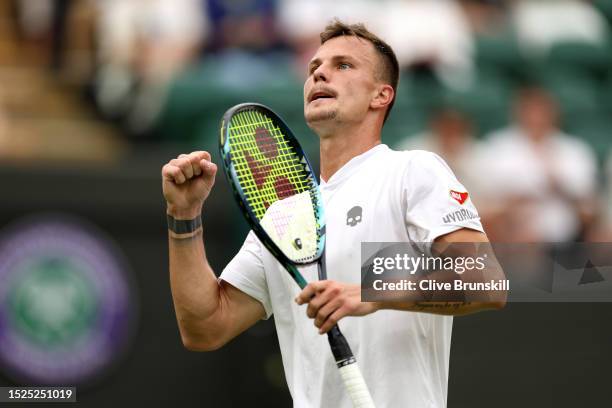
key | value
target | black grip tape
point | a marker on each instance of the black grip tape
(340, 348)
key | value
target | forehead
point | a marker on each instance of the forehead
(350, 46)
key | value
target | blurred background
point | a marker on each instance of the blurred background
(96, 95)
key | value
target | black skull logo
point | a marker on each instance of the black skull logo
(353, 217)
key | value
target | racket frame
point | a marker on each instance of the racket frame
(241, 197)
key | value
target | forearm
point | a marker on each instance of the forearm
(209, 312)
(195, 290)
(441, 308)
(450, 302)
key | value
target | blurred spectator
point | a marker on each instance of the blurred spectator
(436, 33)
(485, 17)
(421, 32)
(542, 23)
(44, 25)
(450, 135)
(540, 182)
(307, 18)
(34, 22)
(143, 44)
(301, 21)
(247, 24)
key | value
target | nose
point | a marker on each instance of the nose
(320, 74)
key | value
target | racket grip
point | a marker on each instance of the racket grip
(356, 386)
(349, 370)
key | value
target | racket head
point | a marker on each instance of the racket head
(273, 183)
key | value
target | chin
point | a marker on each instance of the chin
(320, 115)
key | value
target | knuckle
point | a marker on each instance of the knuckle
(176, 162)
(196, 156)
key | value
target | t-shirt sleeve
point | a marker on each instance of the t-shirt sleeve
(436, 203)
(246, 272)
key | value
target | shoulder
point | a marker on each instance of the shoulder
(421, 170)
(413, 158)
(423, 161)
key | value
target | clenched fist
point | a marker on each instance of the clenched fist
(186, 183)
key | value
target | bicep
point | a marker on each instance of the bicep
(461, 242)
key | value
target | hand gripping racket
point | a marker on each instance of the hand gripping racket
(279, 196)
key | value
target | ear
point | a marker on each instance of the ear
(383, 97)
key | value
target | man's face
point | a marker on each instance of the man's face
(341, 82)
(537, 113)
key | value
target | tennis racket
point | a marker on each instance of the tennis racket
(279, 196)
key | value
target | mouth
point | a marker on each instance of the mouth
(321, 94)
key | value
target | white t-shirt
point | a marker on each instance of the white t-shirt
(404, 356)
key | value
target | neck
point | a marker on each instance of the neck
(339, 147)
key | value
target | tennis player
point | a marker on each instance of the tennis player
(371, 193)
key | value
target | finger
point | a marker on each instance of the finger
(195, 158)
(201, 154)
(173, 174)
(309, 291)
(325, 311)
(185, 165)
(195, 164)
(315, 303)
(209, 169)
(321, 299)
(332, 320)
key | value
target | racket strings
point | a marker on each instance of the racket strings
(259, 176)
(277, 184)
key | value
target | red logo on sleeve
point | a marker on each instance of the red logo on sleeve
(458, 196)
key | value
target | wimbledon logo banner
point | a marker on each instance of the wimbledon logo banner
(67, 308)
(485, 272)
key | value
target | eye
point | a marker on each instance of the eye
(344, 65)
